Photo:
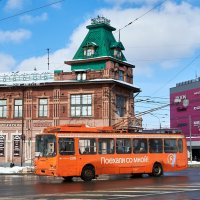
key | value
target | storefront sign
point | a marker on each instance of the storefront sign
(16, 146)
(178, 99)
(196, 123)
(197, 93)
(2, 145)
(197, 108)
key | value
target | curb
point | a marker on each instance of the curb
(194, 166)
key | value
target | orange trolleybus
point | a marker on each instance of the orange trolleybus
(79, 151)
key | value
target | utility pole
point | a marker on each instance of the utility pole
(190, 137)
(48, 57)
(22, 136)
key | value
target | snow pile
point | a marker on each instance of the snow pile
(193, 163)
(15, 170)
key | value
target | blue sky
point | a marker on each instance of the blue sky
(163, 45)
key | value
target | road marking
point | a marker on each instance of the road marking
(131, 192)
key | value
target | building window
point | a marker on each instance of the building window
(121, 75)
(117, 53)
(18, 108)
(121, 105)
(89, 51)
(3, 108)
(81, 76)
(43, 107)
(81, 105)
(16, 145)
(2, 145)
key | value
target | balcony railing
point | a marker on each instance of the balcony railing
(130, 123)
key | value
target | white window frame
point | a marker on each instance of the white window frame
(18, 108)
(81, 76)
(43, 107)
(81, 105)
(3, 108)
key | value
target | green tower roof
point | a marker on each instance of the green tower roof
(98, 43)
(101, 38)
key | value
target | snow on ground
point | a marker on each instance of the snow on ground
(15, 170)
(194, 163)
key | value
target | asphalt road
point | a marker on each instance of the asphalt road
(184, 185)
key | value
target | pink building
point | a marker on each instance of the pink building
(185, 112)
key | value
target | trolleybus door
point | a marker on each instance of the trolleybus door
(67, 161)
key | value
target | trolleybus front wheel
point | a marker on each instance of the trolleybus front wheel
(88, 173)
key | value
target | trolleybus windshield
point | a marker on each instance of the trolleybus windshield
(45, 146)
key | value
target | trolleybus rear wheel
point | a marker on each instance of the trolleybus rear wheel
(88, 173)
(157, 170)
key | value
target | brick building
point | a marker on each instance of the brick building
(98, 91)
(185, 112)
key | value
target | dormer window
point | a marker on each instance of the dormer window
(89, 49)
(117, 48)
(117, 53)
(89, 52)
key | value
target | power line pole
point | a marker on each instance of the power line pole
(190, 128)
(23, 135)
(48, 57)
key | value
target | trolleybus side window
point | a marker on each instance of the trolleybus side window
(87, 146)
(180, 145)
(123, 146)
(140, 146)
(66, 146)
(170, 146)
(106, 146)
(155, 145)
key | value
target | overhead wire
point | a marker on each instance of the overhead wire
(31, 10)
(186, 66)
(136, 19)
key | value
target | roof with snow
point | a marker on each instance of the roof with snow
(42, 78)
(26, 77)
